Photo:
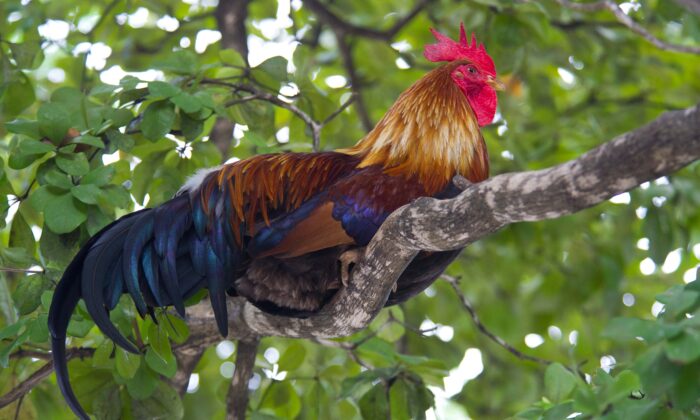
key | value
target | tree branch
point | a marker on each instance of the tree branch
(454, 282)
(630, 23)
(661, 147)
(237, 397)
(230, 19)
(346, 28)
(25, 386)
(343, 30)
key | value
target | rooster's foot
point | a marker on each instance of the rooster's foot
(347, 260)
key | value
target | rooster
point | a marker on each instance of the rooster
(273, 228)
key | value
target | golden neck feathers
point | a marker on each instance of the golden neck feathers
(430, 133)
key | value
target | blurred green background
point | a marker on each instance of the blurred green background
(602, 292)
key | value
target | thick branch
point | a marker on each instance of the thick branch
(661, 147)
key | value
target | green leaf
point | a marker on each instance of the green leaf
(292, 357)
(57, 179)
(157, 120)
(558, 382)
(39, 329)
(356, 385)
(129, 82)
(54, 121)
(186, 102)
(116, 196)
(12, 329)
(18, 96)
(282, 399)
(143, 384)
(684, 348)
(25, 127)
(678, 300)
(27, 295)
(191, 128)
(87, 193)
(120, 117)
(79, 326)
(120, 140)
(686, 391)
(34, 147)
(107, 404)
(99, 176)
(6, 350)
(42, 197)
(165, 403)
(59, 249)
(28, 54)
(176, 327)
(166, 367)
(130, 95)
(628, 329)
(73, 163)
(21, 235)
(271, 72)
(158, 339)
(89, 140)
(160, 90)
(126, 363)
(179, 62)
(624, 384)
(231, 57)
(374, 404)
(101, 357)
(91, 384)
(409, 399)
(657, 227)
(63, 214)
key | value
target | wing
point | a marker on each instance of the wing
(348, 212)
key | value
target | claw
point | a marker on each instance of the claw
(348, 259)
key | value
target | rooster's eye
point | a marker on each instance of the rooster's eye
(471, 70)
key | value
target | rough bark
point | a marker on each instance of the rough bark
(661, 147)
(237, 397)
(230, 19)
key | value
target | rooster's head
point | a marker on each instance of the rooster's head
(473, 71)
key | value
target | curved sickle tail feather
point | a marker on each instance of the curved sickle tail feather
(65, 299)
(160, 257)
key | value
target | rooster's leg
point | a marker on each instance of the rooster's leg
(347, 260)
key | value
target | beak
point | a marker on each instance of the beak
(495, 83)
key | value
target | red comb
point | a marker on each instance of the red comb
(447, 49)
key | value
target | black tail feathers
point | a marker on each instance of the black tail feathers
(154, 255)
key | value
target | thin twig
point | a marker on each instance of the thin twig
(19, 407)
(626, 20)
(21, 270)
(454, 282)
(355, 83)
(338, 24)
(258, 94)
(342, 108)
(343, 29)
(25, 386)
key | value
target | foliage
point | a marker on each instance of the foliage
(78, 150)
